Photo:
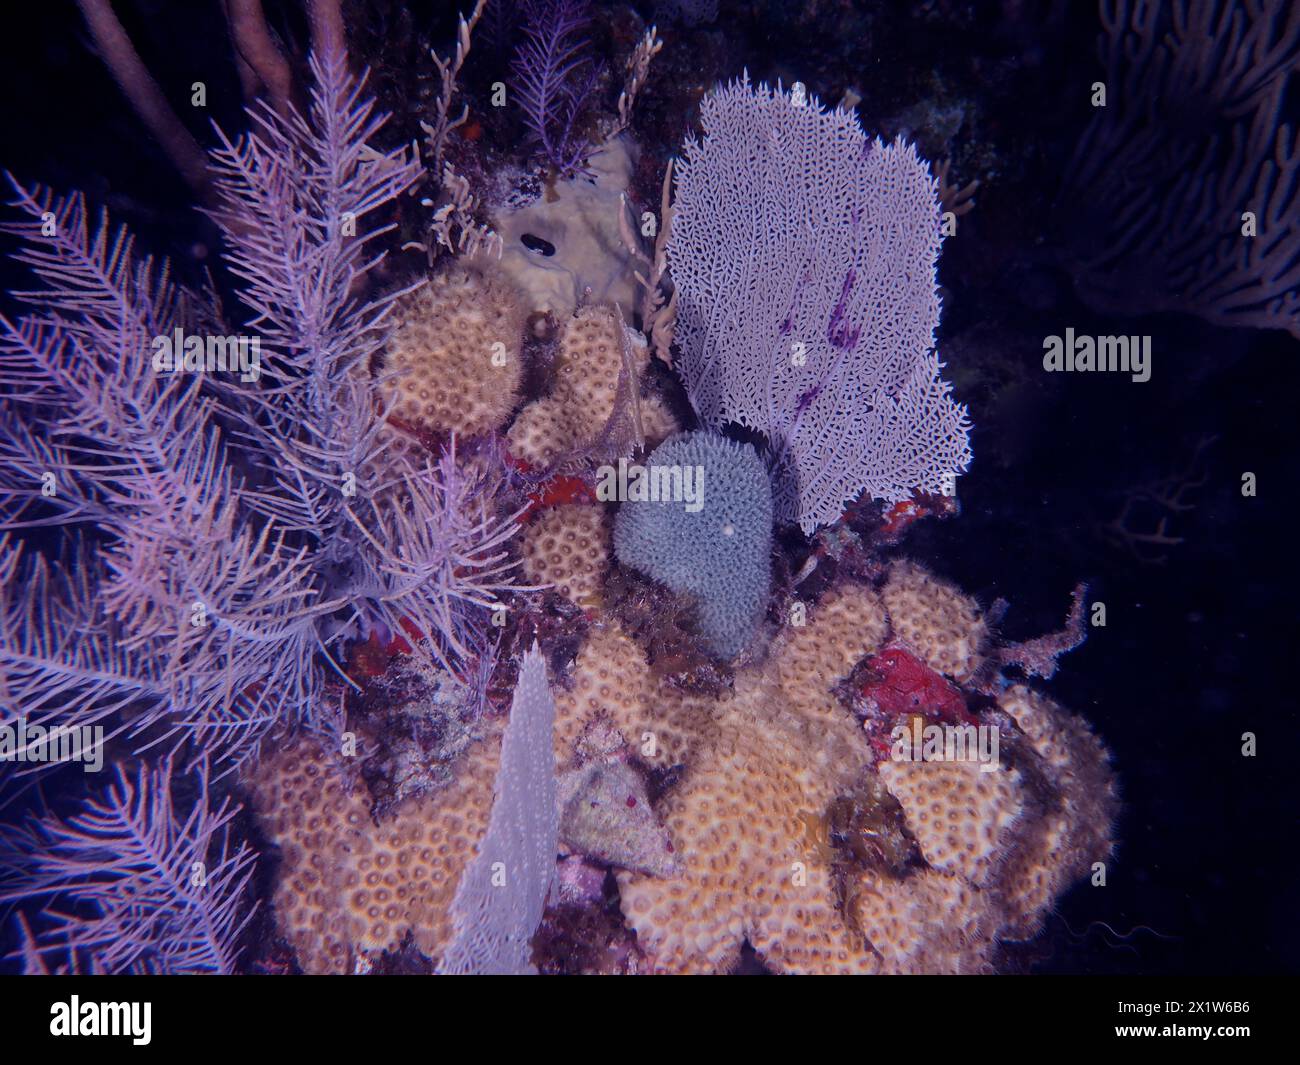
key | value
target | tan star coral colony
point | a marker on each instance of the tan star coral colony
(748, 818)
(758, 769)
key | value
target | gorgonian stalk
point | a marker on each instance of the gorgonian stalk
(134, 882)
(553, 79)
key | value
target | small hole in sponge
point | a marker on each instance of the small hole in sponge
(532, 243)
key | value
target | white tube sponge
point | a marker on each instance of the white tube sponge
(502, 895)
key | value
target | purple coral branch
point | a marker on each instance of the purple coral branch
(134, 457)
(440, 560)
(1039, 657)
(131, 883)
(553, 79)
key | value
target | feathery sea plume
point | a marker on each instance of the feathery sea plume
(501, 20)
(553, 79)
(391, 542)
(184, 549)
(189, 595)
(436, 557)
(136, 881)
(62, 663)
(293, 198)
(234, 527)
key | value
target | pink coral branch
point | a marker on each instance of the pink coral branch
(1039, 657)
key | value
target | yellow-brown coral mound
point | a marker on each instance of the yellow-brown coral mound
(568, 546)
(611, 676)
(787, 831)
(761, 767)
(747, 820)
(350, 886)
(934, 619)
(959, 815)
(810, 658)
(455, 350)
(582, 399)
(1080, 803)
(745, 823)
(928, 922)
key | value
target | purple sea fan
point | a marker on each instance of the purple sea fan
(804, 259)
(144, 888)
(553, 79)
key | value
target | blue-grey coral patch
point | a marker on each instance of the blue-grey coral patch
(718, 552)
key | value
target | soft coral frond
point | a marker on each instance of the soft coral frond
(95, 284)
(132, 883)
(204, 607)
(228, 525)
(79, 364)
(553, 77)
(293, 195)
(395, 546)
(61, 660)
(438, 553)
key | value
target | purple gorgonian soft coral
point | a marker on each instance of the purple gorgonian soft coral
(804, 259)
(231, 530)
(137, 881)
(554, 77)
(172, 609)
